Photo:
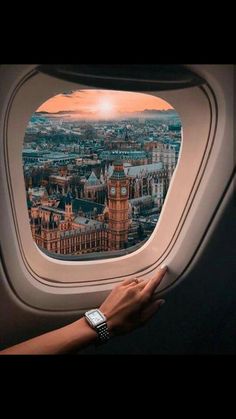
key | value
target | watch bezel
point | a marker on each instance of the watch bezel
(90, 321)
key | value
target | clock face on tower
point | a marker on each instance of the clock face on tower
(123, 190)
(112, 190)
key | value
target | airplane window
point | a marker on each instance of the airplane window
(97, 166)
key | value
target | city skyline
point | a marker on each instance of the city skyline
(101, 104)
(97, 167)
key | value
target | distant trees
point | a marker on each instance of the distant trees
(37, 177)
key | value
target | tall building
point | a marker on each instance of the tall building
(150, 179)
(118, 207)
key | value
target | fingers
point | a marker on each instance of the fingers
(150, 287)
(130, 281)
(152, 308)
(147, 287)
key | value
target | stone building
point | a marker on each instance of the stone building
(63, 229)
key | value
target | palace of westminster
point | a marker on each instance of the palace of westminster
(104, 215)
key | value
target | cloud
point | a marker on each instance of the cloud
(42, 112)
(59, 112)
(73, 94)
(66, 113)
(76, 112)
(67, 95)
(157, 111)
(63, 112)
(92, 115)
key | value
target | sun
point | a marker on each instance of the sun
(106, 108)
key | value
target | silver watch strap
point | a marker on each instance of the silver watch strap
(103, 332)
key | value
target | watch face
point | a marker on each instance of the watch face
(123, 190)
(113, 190)
(95, 317)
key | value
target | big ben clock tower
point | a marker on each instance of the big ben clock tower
(118, 195)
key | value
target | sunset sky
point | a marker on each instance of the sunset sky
(95, 104)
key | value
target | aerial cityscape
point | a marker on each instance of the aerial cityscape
(97, 167)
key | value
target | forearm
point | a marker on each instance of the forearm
(128, 305)
(66, 339)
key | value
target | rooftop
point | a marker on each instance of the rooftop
(81, 204)
(86, 222)
(93, 180)
(143, 169)
(122, 154)
(60, 177)
(118, 171)
(141, 199)
(52, 209)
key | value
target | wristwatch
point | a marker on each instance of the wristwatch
(98, 322)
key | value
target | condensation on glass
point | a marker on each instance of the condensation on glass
(97, 166)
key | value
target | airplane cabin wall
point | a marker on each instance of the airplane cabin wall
(199, 315)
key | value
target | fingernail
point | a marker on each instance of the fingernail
(161, 302)
(163, 267)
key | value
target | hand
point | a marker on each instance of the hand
(130, 304)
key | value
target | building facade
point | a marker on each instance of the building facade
(94, 189)
(62, 231)
(118, 196)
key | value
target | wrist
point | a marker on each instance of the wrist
(97, 320)
(83, 328)
(110, 323)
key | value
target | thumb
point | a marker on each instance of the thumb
(152, 308)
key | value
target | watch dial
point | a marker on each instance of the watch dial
(112, 190)
(123, 190)
(95, 317)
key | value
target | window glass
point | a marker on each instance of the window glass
(97, 166)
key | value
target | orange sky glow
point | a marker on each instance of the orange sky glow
(95, 104)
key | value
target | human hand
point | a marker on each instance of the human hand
(130, 304)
